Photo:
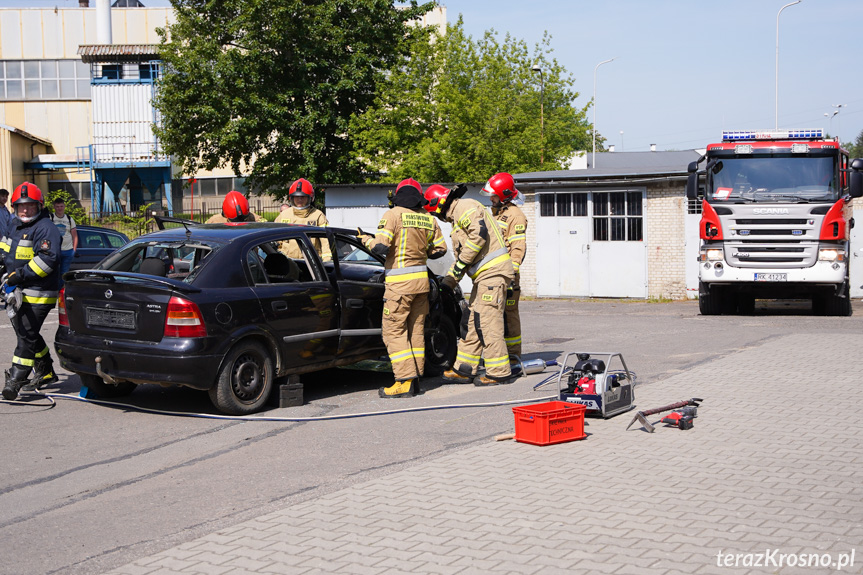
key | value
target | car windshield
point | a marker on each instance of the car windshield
(791, 178)
(179, 260)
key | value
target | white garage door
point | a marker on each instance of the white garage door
(591, 244)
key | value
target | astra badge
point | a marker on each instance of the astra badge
(109, 294)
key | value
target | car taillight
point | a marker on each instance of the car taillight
(61, 308)
(184, 319)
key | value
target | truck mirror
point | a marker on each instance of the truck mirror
(855, 178)
(692, 186)
(693, 167)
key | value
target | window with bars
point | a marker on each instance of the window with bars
(44, 80)
(563, 205)
(618, 217)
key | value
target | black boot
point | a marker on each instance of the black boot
(16, 377)
(43, 374)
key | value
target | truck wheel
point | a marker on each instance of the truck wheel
(106, 390)
(838, 304)
(708, 302)
(441, 347)
(245, 380)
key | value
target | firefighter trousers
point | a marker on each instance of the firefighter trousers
(484, 339)
(403, 331)
(512, 321)
(27, 325)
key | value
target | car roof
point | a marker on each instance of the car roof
(234, 231)
(100, 229)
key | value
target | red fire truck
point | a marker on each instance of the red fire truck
(775, 220)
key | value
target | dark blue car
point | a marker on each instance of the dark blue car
(228, 308)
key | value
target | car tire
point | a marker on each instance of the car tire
(245, 380)
(106, 390)
(708, 300)
(441, 347)
(838, 305)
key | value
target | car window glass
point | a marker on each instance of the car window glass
(256, 267)
(350, 250)
(180, 260)
(91, 240)
(116, 241)
(284, 261)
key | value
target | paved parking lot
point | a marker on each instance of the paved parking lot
(768, 474)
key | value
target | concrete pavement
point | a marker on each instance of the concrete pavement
(766, 482)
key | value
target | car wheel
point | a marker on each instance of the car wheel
(441, 347)
(245, 380)
(106, 390)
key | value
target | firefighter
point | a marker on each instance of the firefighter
(235, 208)
(408, 237)
(301, 196)
(480, 252)
(513, 226)
(30, 253)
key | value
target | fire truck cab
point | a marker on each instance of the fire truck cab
(775, 220)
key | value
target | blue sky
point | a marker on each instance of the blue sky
(685, 70)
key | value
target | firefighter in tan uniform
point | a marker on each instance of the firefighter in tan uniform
(480, 252)
(235, 208)
(408, 237)
(513, 225)
(303, 212)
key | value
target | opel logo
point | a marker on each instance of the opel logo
(108, 294)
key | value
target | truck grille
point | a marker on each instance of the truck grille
(743, 254)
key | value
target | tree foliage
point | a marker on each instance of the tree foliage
(461, 110)
(267, 87)
(855, 149)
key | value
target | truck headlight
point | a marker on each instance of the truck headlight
(711, 255)
(831, 255)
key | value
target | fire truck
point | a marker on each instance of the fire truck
(776, 219)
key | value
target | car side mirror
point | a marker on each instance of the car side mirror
(855, 178)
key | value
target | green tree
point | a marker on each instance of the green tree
(267, 87)
(855, 148)
(461, 110)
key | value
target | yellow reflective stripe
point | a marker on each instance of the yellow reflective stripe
(406, 277)
(4, 247)
(43, 353)
(502, 224)
(493, 262)
(34, 265)
(419, 351)
(22, 361)
(496, 361)
(401, 356)
(22, 253)
(516, 265)
(515, 237)
(473, 246)
(512, 340)
(464, 221)
(40, 300)
(403, 249)
(386, 233)
(466, 358)
(439, 241)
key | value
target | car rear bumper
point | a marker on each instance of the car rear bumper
(153, 365)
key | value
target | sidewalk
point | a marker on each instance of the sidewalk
(771, 468)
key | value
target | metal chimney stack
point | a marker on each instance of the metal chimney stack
(103, 22)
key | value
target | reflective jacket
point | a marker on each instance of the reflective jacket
(310, 217)
(513, 226)
(409, 238)
(33, 250)
(478, 244)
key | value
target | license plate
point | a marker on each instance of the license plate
(771, 277)
(117, 318)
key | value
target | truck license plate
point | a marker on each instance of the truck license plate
(111, 318)
(771, 277)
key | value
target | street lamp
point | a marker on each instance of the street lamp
(622, 148)
(837, 106)
(776, 126)
(536, 68)
(831, 119)
(593, 162)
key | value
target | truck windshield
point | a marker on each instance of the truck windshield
(791, 178)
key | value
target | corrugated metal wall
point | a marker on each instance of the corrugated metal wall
(122, 122)
(6, 160)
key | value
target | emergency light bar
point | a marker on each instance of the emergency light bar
(772, 135)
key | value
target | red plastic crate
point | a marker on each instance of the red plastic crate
(549, 423)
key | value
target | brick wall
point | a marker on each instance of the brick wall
(528, 267)
(665, 236)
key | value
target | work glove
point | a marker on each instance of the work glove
(362, 236)
(458, 269)
(449, 282)
(13, 279)
(14, 299)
